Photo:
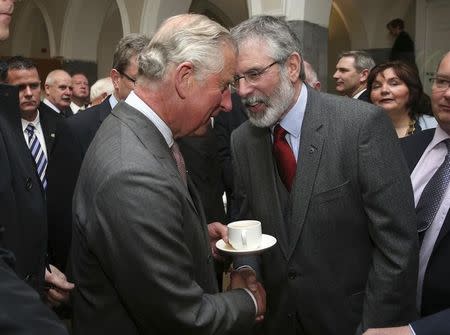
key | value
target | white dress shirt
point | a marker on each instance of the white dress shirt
(357, 95)
(38, 131)
(293, 120)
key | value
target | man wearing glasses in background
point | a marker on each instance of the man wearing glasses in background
(429, 162)
(325, 176)
(74, 135)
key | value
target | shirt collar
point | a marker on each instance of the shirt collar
(134, 101)
(293, 120)
(52, 106)
(439, 136)
(113, 101)
(36, 122)
(357, 95)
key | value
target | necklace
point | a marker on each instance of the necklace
(411, 127)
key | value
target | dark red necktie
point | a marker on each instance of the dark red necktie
(285, 157)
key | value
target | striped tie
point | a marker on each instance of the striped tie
(38, 154)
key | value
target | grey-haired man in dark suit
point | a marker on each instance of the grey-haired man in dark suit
(325, 176)
(139, 231)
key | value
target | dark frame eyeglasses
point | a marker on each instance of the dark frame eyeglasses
(252, 76)
(126, 76)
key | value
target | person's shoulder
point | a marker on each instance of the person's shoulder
(345, 107)
(424, 136)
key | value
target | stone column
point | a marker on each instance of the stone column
(309, 20)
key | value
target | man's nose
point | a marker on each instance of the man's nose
(226, 103)
(244, 88)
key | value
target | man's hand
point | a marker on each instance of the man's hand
(217, 231)
(59, 287)
(405, 330)
(246, 278)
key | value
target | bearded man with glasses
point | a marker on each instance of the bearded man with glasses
(323, 175)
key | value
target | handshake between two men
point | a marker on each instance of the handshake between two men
(244, 278)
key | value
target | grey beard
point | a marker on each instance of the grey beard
(277, 104)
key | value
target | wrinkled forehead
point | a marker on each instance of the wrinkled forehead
(253, 52)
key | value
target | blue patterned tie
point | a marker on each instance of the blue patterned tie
(432, 194)
(38, 154)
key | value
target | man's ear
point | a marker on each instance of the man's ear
(364, 75)
(293, 65)
(115, 75)
(184, 77)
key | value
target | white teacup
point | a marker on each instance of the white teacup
(245, 234)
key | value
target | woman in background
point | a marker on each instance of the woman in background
(396, 87)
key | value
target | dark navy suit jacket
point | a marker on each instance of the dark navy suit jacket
(73, 137)
(436, 284)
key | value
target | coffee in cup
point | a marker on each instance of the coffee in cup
(245, 234)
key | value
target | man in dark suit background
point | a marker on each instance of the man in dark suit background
(58, 92)
(325, 176)
(403, 47)
(22, 72)
(352, 71)
(139, 228)
(427, 154)
(23, 221)
(74, 137)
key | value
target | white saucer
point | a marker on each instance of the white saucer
(267, 241)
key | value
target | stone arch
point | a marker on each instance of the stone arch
(79, 41)
(156, 11)
(33, 13)
(126, 28)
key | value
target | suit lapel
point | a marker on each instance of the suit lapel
(154, 142)
(310, 151)
(49, 136)
(261, 153)
(414, 146)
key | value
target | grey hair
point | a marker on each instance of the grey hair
(310, 74)
(103, 85)
(128, 46)
(51, 76)
(280, 38)
(362, 59)
(185, 38)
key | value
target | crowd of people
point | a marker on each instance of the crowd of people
(111, 196)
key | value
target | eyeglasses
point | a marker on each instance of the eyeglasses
(127, 76)
(440, 84)
(251, 76)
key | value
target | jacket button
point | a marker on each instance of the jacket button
(292, 274)
(28, 184)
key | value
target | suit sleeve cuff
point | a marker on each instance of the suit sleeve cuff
(254, 300)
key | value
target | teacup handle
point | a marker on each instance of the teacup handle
(244, 238)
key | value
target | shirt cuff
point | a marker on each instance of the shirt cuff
(254, 300)
(244, 267)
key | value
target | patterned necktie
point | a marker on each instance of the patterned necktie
(285, 157)
(179, 160)
(38, 154)
(432, 194)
